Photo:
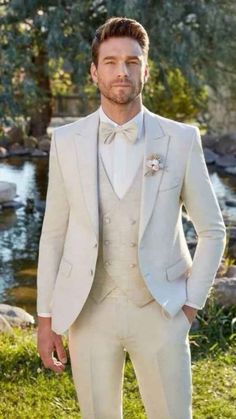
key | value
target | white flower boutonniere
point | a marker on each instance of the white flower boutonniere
(154, 163)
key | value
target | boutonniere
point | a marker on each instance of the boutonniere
(154, 163)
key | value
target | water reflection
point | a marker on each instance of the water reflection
(20, 230)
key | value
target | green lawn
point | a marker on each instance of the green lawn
(29, 391)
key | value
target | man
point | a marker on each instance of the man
(114, 267)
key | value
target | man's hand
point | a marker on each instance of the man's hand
(190, 313)
(48, 342)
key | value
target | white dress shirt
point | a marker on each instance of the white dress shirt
(122, 159)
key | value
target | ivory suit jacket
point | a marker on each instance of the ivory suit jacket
(69, 239)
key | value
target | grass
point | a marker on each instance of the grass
(29, 391)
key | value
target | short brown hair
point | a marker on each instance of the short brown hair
(119, 27)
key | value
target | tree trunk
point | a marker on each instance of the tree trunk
(41, 115)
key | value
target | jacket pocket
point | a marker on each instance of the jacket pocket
(181, 268)
(65, 267)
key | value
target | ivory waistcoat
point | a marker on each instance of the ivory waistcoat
(117, 262)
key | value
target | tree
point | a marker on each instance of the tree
(46, 44)
(37, 39)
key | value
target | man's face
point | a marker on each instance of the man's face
(121, 70)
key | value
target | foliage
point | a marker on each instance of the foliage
(45, 50)
(179, 100)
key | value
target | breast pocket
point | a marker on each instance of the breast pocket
(169, 183)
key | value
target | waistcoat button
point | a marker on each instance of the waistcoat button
(107, 220)
(132, 244)
(132, 265)
(133, 221)
(108, 262)
(106, 242)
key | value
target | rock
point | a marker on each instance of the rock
(17, 150)
(221, 271)
(39, 153)
(231, 170)
(7, 191)
(210, 156)
(44, 144)
(3, 152)
(232, 249)
(231, 202)
(226, 144)
(231, 271)
(29, 208)
(5, 326)
(40, 206)
(12, 205)
(225, 291)
(16, 316)
(231, 232)
(209, 141)
(30, 142)
(226, 161)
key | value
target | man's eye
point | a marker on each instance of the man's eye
(132, 62)
(110, 62)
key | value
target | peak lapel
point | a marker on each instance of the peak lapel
(86, 148)
(156, 141)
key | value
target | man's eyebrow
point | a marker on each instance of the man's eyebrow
(129, 57)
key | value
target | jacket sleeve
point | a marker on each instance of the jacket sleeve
(53, 232)
(204, 211)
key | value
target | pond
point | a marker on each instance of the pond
(20, 230)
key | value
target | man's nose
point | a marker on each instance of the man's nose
(122, 70)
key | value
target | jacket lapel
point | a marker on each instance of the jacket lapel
(86, 141)
(156, 141)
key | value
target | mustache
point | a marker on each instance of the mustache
(122, 82)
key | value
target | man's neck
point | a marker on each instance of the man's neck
(120, 113)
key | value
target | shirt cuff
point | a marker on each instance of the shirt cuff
(44, 315)
(188, 303)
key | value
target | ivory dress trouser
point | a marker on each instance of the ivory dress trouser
(158, 348)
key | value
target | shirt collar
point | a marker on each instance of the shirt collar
(138, 119)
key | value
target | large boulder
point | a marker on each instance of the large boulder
(225, 291)
(44, 144)
(226, 144)
(16, 316)
(7, 191)
(226, 161)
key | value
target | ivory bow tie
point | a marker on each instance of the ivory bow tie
(108, 131)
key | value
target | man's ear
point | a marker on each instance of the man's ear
(93, 72)
(146, 73)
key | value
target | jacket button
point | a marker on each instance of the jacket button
(91, 271)
(132, 244)
(106, 242)
(95, 245)
(107, 220)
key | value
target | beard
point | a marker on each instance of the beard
(120, 95)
